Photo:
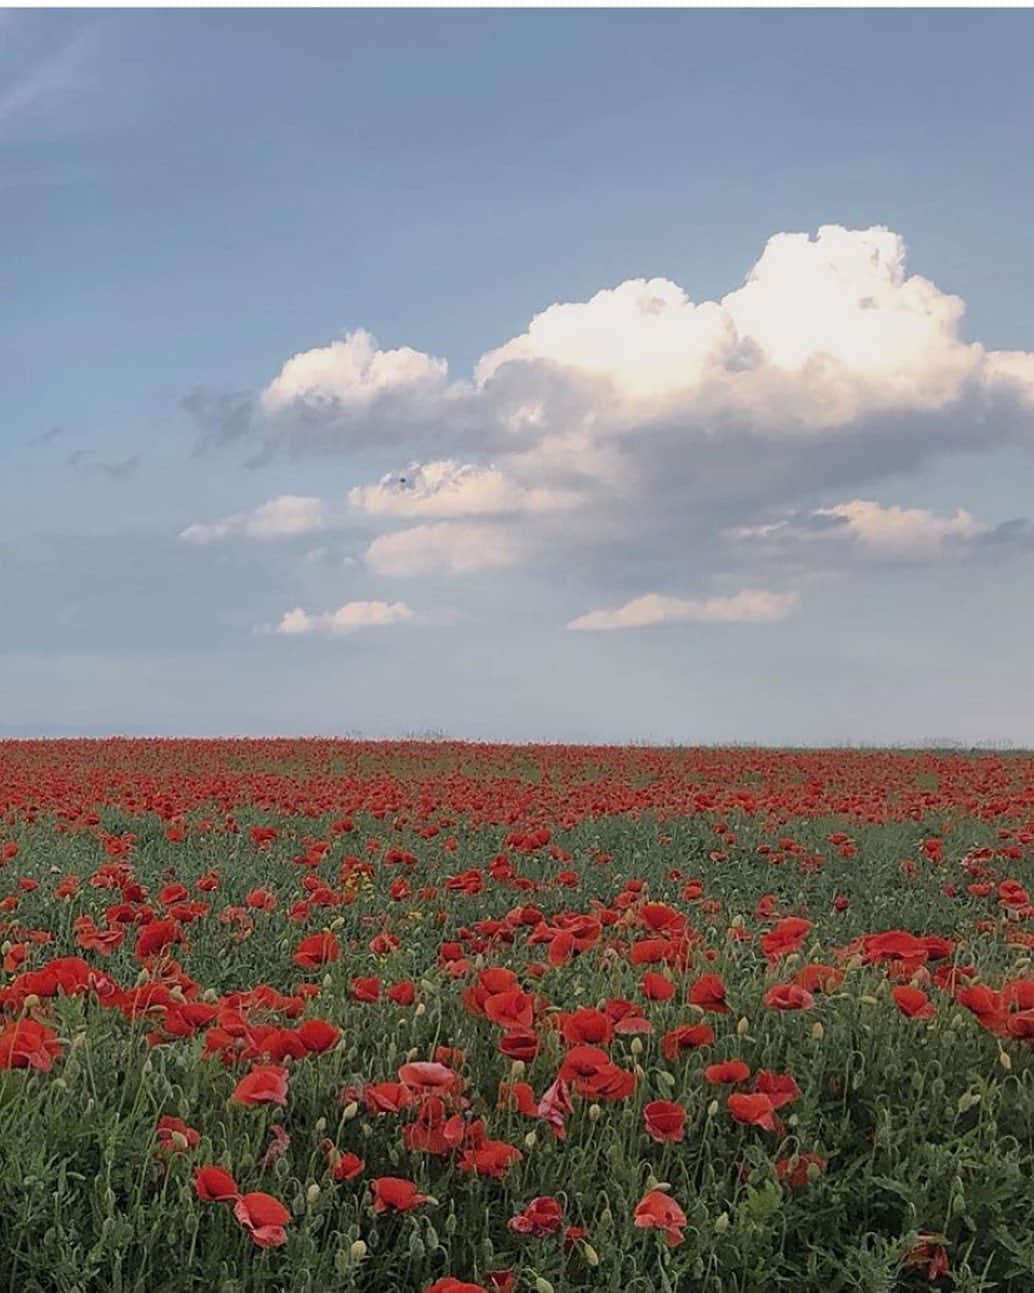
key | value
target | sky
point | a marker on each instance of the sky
(521, 375)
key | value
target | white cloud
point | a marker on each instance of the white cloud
(903, 531)
(752, 605)
(282, 517)
(351, 372)
(826, 336)
(349, 618)
(446, 546)
(874, 530)
(822, 332)
(446, 488)
(615, 439)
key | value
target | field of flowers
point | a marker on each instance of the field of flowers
(445, 1018)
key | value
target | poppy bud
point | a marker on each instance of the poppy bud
(637, 1046)
(328, 980)
(595, 1112)
(817, 1031)
(179, 1140)
(321, 1126)
(531, 1139)
(517, 1069)
(337, 922)
(312, 1193)
(350, 1110)
(358, 1250)
(712, 1109)
(31, 1001)
(743, 1027)
(420, 1009)
(869, 1001)
(1004, 1060)
(721, 1223)
(543, 1286)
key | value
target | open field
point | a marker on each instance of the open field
(308, 1015)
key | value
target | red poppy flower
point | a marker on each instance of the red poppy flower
(708, 992)
(789, 996)
(265, 1084)
(427, 1077)
(510, 1009)
(779, 1087)
(913, 1002)
(587, 1027)
(387, 1097)
(687, 1037)
(342, 1167)
(657, 987)
(658, 1211)
(664, 1120)
(263, 1217)
(316, 950)
(519, 1044)
(402, 993)
(215, 1185)
(395, 1194)
(729, 1072)
(318, 1036)
(518, 1096)
(156, 937)
(366, 991)
(448, 1284)
(26, 1044)
(486, 1157)
(786, 936)
(755, 1110)
(542, 1216)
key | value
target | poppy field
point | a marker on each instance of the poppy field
(448, 1018)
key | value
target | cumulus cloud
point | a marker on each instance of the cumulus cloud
(752, 605)
(349, 618)
(282, 517)
(445, 546)
(351, 371)
(823, 332)
(912, 534)
(614, 441)
(446, 488)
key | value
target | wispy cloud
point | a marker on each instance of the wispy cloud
(123, 470)
(751, 606)
(47, 81)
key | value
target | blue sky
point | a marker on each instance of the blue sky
(748, 512)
